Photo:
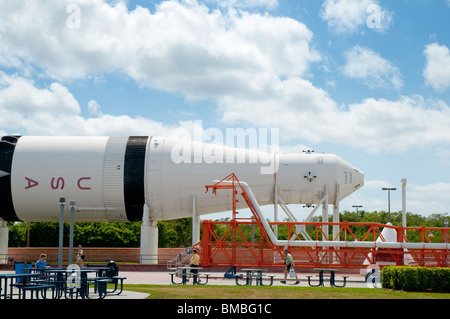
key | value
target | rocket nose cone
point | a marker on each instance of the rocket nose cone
(349, 178)
(358, 178)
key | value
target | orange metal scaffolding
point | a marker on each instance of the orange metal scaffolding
(228, 243)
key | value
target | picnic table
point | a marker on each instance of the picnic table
(104, 275)
(186, 272)
(20, 281)
(321, 277)
(253, 273)
(69, 282)
(56, 277)
(64, 282)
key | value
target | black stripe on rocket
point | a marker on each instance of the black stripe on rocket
(7, 147)
(133, 178)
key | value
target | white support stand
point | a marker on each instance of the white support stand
(404, 214)
(299, 229)
(325, 212)
(325, 219)
(195, 223)
(336, 213)
(336, 220)
(404, 202)
(322, 203)
(149, 239)
(4, 235)
(275, 208)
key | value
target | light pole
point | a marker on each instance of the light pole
(357, 227)
(389, 189)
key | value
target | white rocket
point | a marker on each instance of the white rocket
(111, 178)
(153, 178)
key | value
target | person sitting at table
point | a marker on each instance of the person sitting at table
(194, 263)
(289, 261)
(42, 262)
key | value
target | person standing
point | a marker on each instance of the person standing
(289, 261)
(80, 257)
(194, 264)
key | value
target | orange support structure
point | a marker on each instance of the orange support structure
(227, 248)
(244, 242)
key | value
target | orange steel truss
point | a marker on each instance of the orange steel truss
(227, 243)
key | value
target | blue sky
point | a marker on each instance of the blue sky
(368, 80)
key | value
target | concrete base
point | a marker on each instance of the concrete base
(4, 236)
(149, 244)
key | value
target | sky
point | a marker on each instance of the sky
(368, 80)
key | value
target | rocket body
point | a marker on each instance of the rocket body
(111, 178)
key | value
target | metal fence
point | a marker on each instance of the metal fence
(93, 255)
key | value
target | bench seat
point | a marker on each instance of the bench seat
(187, 275)
(37, 288)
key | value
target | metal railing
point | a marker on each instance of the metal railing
(93, 255)
(179, 259)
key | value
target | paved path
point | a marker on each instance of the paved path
(216, 278)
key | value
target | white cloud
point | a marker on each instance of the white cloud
(368, 66)
(214, 55)
(292, 105)
(246, 4)
(377, 184)
(53, 110)
(383, 125)
(302, 111)
(437, 68)
(428, 199)
(436, 191)
(443, 155)
(348, 16)
(420, 199)
(181, 47)
(19, 95)
(256, 67)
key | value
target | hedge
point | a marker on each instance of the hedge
(416, 278)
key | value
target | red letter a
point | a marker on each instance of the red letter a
(31, 183)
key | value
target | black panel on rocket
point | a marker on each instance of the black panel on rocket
(7, 147)
(133, 178)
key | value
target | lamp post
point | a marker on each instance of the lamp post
(357, 227)
(389, 189)
(62, 203)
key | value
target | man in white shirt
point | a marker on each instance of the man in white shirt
(289, 261)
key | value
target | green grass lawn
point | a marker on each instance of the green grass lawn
(275, 292)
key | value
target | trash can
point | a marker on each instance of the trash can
(21, 267)
(114, 271)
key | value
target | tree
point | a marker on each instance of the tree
(46, 234)
(175, 233)
(178, 232)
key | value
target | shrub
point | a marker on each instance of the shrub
(416, 278)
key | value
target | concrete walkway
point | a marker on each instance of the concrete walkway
(216, 278)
